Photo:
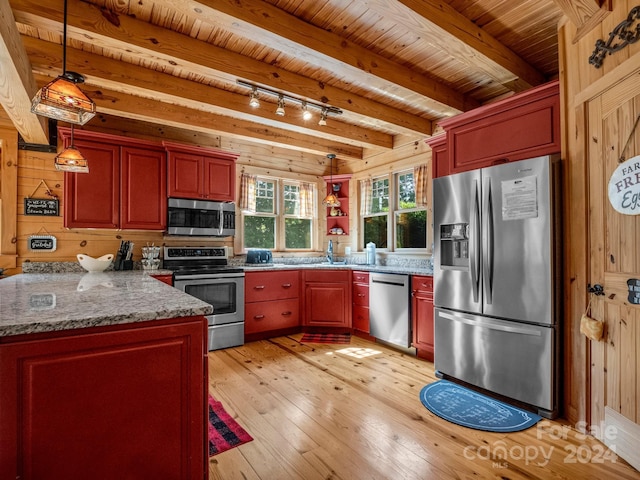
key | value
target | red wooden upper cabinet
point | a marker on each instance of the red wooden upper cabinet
(523, 126)
(126, 187)
(201, 173)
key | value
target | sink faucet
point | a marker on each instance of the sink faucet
(330, 251)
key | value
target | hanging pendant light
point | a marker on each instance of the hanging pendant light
(71, 160)
(61, 98)
(331, 200)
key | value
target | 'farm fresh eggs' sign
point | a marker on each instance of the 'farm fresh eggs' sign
(624, 187)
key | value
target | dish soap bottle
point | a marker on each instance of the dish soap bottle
(371, 253)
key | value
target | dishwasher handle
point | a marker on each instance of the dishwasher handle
(389, 279)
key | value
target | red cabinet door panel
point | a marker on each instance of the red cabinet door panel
(143, 203)
(360, 319)
(126, 404)
(92, 199)
(185, 175)
(271, 315)
(219, 179)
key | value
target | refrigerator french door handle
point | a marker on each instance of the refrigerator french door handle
(484, 324)
(487, 260)
(474, 243)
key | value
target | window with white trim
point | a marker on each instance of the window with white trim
(392, 218)
(278, 214)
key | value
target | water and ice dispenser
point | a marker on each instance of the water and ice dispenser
(454, 245)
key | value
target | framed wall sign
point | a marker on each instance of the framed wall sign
(41, 243)
(624, 187)
(42, 206)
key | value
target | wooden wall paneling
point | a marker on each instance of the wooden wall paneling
(596, 256)
(612, 362)
(628, 363)
(8, 193)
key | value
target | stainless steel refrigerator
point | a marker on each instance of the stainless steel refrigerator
(497, 280)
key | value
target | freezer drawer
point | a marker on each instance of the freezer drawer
(505, 357)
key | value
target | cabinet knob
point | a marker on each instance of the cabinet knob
(259, 287)
(286, 285)
(286, 314)
(258, 317)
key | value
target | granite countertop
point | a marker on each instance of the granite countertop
(45, 302)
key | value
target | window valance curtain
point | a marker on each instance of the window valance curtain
(421, 184)
(306, 200)
(366, 196)
(248, 193)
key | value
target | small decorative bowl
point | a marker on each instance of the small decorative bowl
(91, 264)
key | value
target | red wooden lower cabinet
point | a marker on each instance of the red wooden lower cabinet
(116, 403)
(327, 298)
(422, 315)
(164, 278)
(360, 295)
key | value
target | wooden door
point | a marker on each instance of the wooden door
(143, 202)
(92, 199)
(614, 258)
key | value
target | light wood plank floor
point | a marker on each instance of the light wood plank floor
(352, 412)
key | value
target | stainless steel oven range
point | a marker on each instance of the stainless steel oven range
(204, 273)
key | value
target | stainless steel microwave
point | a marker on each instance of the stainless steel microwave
(201, 218)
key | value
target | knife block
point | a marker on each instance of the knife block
(121, 264)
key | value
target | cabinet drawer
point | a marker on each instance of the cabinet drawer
(422, 284)
(263, 286)
(360, 320)
(361, 277)
(360, 294)
(327, 276)
(272, 315)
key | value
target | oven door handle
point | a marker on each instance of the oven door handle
(208, 276)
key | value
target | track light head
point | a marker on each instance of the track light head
(254, 101)
(306, 114)
(280, 109)
(323, 118)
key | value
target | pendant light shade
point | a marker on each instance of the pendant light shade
(71, 160)
(61, 99)
(331, 200)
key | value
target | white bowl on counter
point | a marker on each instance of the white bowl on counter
(91, 264)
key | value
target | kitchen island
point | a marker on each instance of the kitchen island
(103, 376)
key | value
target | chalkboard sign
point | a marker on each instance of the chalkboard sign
(634, 290)
(41, 243)
(41, 206)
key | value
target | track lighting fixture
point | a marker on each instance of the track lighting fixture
(306, 105)
(306, 114)
(254, 101)
(61, 98)
(280, 109)
(323, 117)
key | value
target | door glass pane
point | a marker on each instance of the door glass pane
(297, 233)
(259, 232)
(411, 229)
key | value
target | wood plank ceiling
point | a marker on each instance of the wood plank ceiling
(394, 67)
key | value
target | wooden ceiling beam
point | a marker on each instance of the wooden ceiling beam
(585, 14)
(104, 72)
(269, 25)
(120, 104)
(171, 50)
(17, 85)
(448, 30)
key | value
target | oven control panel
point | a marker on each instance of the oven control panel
(193, 253)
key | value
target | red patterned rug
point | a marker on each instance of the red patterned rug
(224, 432)
(326, 338)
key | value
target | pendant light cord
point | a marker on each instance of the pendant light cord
(64, 40)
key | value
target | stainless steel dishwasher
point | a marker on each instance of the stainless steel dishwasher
(389, 318)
